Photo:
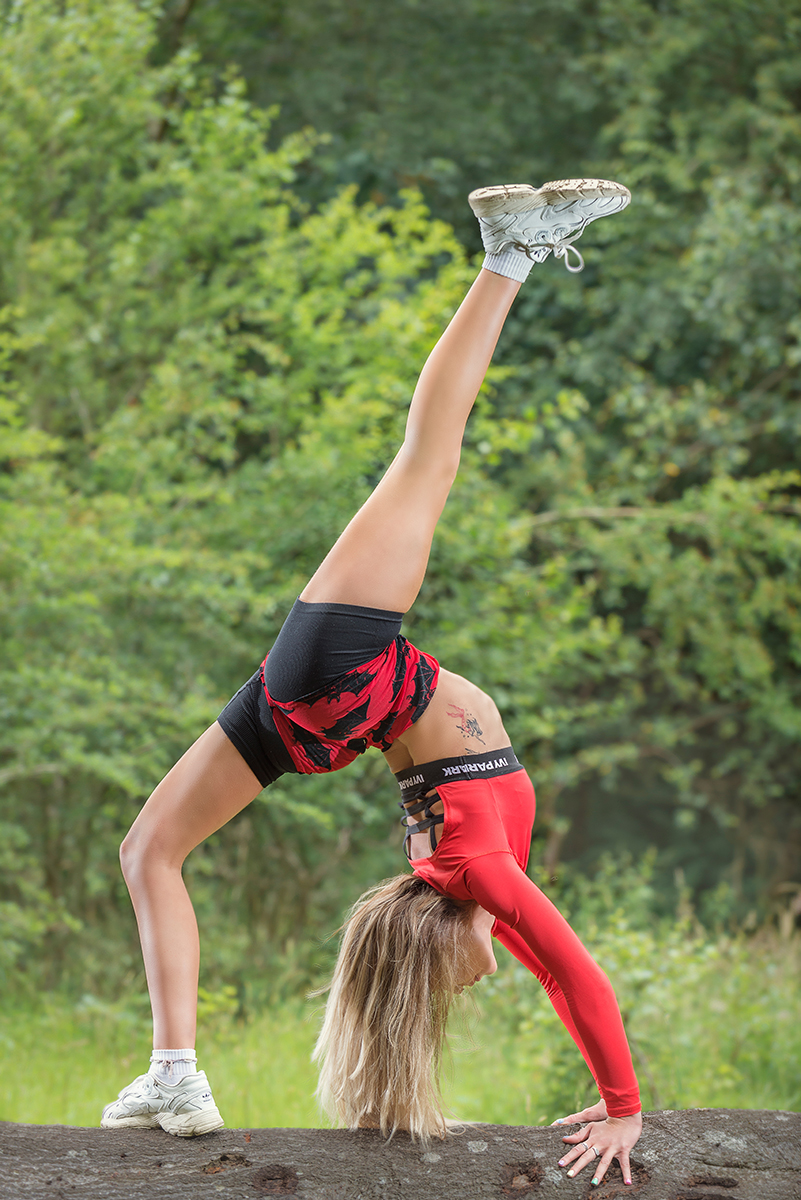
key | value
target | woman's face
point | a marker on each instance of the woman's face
(480, 957)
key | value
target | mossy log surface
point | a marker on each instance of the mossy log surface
(705, 1154)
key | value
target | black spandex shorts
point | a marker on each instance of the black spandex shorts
(248, 723)
(339, 678)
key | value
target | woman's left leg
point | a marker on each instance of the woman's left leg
(380, 560)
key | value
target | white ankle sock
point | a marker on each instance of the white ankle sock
(512, 263)
(168, 1066)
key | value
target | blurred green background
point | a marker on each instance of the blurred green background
(229, 235)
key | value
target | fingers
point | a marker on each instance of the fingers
(584, 1155)
(596, 1112)
(586, 1114)
(625, 1165)
(605, 1162)
(599, 1142)
(578, 1158)
(601, 1167)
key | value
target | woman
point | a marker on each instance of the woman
(340, 678)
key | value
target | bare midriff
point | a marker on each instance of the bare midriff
(460, 720)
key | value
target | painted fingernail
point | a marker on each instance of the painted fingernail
(595, 1182)
(559, 1121)
(570, 1174)
(561, 1162)
(627, 1181)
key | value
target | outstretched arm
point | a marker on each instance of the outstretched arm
(625, 1130)
(539, 937)
(514, 942)
(570, 974)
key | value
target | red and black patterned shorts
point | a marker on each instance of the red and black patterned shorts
(338, 679)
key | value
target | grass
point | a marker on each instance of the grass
(713, 1023)
(75, 1060)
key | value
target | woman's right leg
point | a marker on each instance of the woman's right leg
(381, 558)
(209, 785)
(205, 788)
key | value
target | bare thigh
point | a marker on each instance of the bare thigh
(208, 786)
(380, 560)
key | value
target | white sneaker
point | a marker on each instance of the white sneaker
(539, 221)
(185, 1108)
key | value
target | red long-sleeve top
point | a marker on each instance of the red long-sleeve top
(534, 930)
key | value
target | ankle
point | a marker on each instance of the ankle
(170, 1066)
(514, 264)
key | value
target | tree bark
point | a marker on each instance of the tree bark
(703, 1154)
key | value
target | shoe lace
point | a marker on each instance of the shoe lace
(562, 249)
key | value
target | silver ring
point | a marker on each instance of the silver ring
(596, 1150)
(584, 1146)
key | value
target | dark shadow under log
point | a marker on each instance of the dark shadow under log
(704, 1154)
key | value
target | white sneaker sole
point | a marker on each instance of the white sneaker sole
(190, 1124)
(522, 197)
(181, 1125)
(143, 1121)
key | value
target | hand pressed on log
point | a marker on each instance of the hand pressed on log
(602, 1139)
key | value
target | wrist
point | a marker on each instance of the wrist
(628, 1119)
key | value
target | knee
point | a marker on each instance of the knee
(440, 467)
(142, 853)
(130, 856)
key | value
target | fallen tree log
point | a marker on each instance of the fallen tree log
(702, 1154)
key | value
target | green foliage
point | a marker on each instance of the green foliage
(675, 361)
(684, 346)
(220, 375)
(453, 93)
(435, 94)
(202, 376)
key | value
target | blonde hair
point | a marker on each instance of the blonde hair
(401, 960)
